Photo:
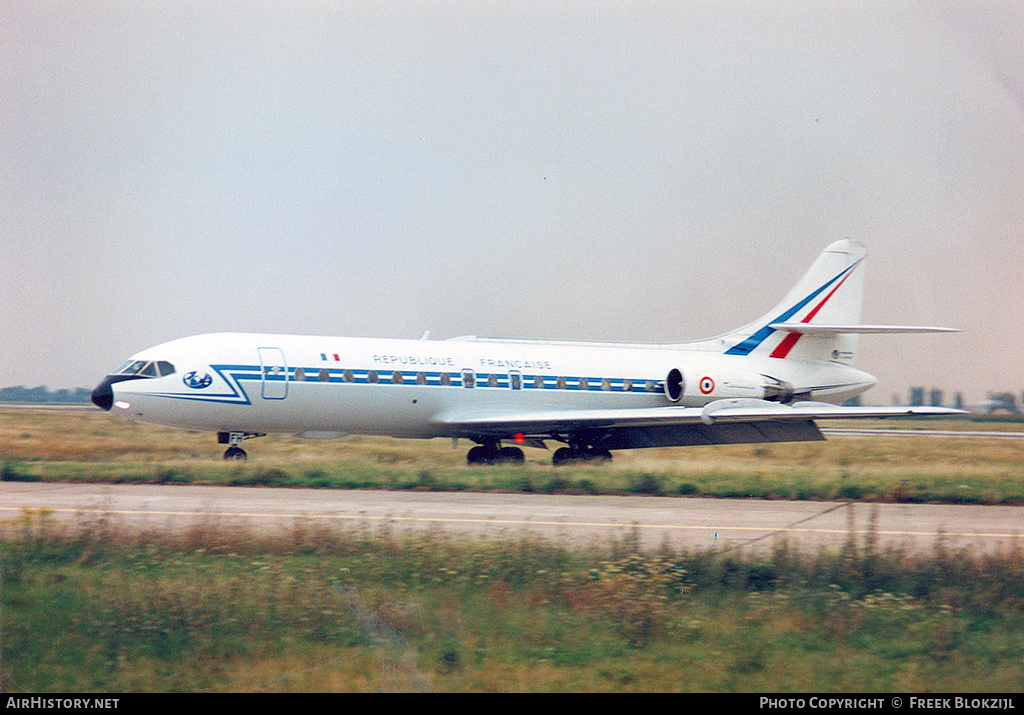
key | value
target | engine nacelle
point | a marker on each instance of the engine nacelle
(675, 385)
(718, 382)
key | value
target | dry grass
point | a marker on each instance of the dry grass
(90, 607)
(93, 446)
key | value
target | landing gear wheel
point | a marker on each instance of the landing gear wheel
(570, 455)
(511, 455)
(493, 454)
(236, 453)
(234, 439)
(562, 456)
(480, 455)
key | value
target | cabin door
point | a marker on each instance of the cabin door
(273, 373)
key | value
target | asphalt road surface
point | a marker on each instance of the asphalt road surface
(577, 520)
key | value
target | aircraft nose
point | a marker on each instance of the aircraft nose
(103, 395)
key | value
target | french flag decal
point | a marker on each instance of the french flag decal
(330, 357)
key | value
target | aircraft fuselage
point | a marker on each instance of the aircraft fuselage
(324, 386)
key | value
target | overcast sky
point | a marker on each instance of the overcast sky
(633, 171)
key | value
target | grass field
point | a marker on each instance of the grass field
(89, 606)
(90, 445)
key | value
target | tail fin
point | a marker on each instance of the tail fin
(830, 293)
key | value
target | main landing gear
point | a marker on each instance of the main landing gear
(578, 452)
(580, 455)
(491, 452)
(234, 439)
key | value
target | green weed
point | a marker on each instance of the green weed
(91, 606)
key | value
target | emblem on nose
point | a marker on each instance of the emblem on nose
(196, 381)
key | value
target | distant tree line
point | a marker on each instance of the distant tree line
(934, 398)
(43, 394)
(1005, 401)
(996, 401)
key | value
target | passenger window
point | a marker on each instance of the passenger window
(584, 383)
(538, 382)
(300, 375)
(396, 377)
(373, 377)
(468, 378)
(421, 378)
(560, 383)
(651, 387)
(347, 376)
(515, 380)
(324, 375)
(446, 379)
(492, 380)
(627, 385)
(606, 384)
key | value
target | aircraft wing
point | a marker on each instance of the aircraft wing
(731, 421)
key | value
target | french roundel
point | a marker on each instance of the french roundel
(707, 385)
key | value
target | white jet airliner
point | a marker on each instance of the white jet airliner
(766, 382)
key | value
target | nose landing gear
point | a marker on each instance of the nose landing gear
(236, 453)
(234, 439)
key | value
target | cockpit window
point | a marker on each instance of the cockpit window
(143, 368)
(132, 367)
(165, 368)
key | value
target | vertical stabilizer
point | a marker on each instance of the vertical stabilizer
(829, 293)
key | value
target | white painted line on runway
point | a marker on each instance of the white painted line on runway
(517, 522)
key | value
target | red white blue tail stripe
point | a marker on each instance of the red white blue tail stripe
(748, 345)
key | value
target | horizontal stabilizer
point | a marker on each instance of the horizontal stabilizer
(749, 410)
(829, 330)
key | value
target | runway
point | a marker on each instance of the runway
(682, 522)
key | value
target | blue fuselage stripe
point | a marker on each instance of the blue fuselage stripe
(235, 375)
